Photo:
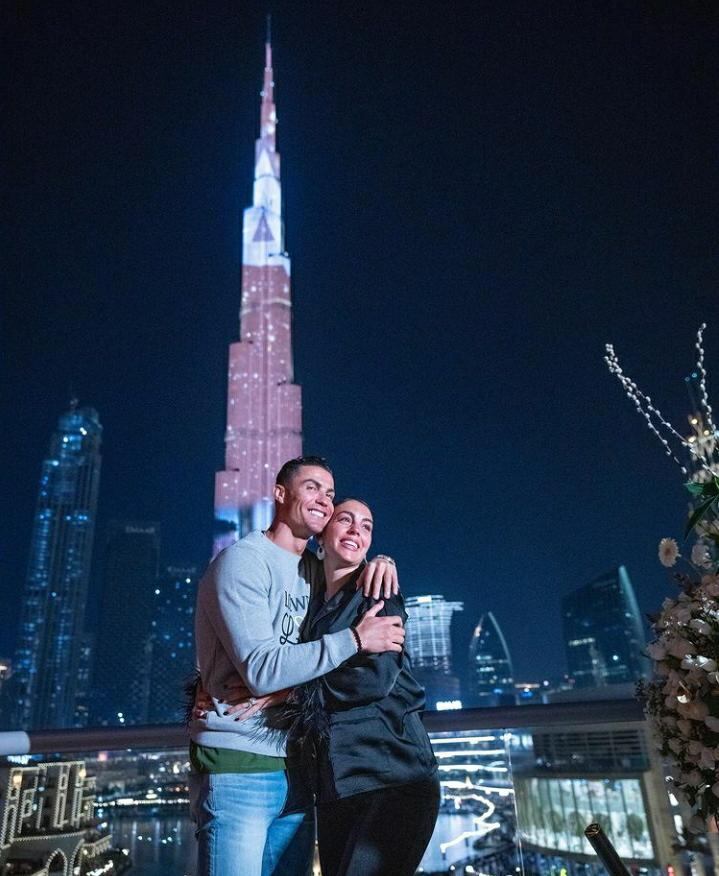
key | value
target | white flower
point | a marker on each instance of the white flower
(701, 556)
(706, 663)
(697, 710)
(679, 647)
(707, 758)
(668, 552)
(657, 650)
(701, 626)
(685, 727)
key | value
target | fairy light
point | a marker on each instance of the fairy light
(640, 400)
(703, 378)
(654, 417)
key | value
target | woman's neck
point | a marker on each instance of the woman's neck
(336, 576)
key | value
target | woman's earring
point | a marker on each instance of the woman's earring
(320, 551)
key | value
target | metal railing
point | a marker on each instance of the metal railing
(166, 736)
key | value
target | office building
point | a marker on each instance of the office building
(123, 645)
(173, 646)
(490, 675)
(603, 632)
(429, 645)
(53, 614)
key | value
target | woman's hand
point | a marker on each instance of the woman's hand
(238, 702)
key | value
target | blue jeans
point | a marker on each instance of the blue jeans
(239, 829)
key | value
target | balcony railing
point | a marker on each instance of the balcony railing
(519, 786)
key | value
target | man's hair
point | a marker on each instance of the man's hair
(292, 466)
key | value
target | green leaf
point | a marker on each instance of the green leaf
(696, 489)
(699, 514)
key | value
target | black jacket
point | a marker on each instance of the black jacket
(359, 727)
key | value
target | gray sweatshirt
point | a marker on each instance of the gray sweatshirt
(250, 605)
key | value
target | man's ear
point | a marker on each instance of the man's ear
(279, 493)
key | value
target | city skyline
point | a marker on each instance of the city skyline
(440, 386)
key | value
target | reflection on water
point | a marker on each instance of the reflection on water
(165, 845)
(161, 846)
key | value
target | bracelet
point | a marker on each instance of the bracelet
(358, 641)
(385, 558)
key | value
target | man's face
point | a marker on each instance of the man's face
(305, 504)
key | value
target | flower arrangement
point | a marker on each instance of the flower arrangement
(682, 700)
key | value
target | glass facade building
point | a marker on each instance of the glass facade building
(173, 641)
(429, 644)
(603, 632)
(48, 654)
(491, 677)
(123, 648)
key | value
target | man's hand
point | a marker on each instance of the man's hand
(379, 634)
(238, 703)
(379, 578)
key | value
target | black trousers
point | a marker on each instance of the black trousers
(379, 833)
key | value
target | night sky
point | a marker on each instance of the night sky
(477, 197)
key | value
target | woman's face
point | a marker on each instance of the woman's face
(348, 535)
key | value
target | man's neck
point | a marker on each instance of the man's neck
(280, 533)
(336, 577)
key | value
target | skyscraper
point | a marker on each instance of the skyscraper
(173, 645)
(123, 645)
(491, 677)
(603, 632)
(52, 623)
(429, 645)
(264, 406)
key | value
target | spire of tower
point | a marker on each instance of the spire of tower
(268, 115)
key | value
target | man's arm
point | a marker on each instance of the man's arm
(235, 601)
(367, 678)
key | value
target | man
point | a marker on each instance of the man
(251, 603)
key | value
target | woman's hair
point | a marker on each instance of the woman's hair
(338, 502)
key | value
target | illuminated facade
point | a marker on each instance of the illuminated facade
(47, 822)
(491, 678)
(264, 406)
(429, 644)
(603, 632)
(568, 777)
(51, 630)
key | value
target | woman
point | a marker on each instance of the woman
(357, 742)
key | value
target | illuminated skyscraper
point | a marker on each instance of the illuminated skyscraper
(173, 642)
(491, 678)
(429, 645)
(603, 632)
(52, 624)
(264, 406)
